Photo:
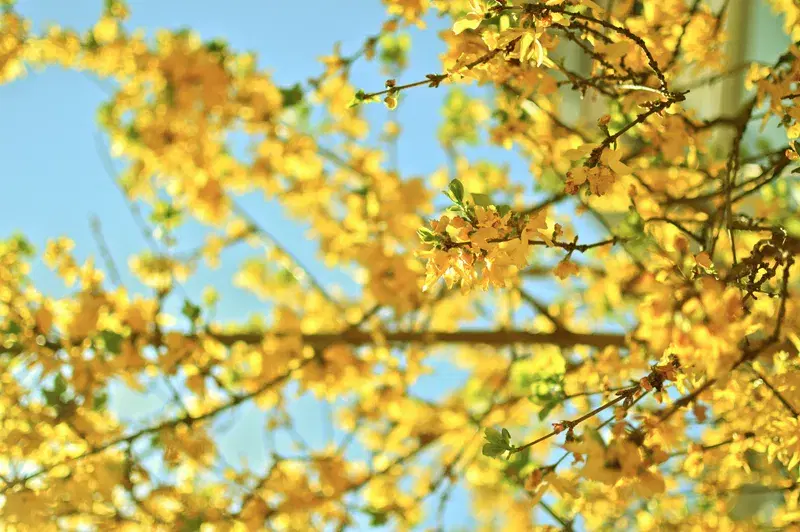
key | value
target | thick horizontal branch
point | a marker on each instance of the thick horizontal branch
(482, 337)
(356, 337)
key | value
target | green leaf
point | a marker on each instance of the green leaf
(457, 189)
(292, 95)
(426, 235)
(100, 401)
(112, 341)
(548, 407)
(502, 210)
(481, 199)
(13, 327)
(59, 384)
(22, 244)
(166, 214)
(55, 396)
(493, 435)
(493, 450)
(217, 46)
(132, 134)
(192, 524)
(498, 442)
(169, 93)
(377, 517)
(632, 229)
(285, 276)
(91, 44)
(52, 398)
(190, 310)
(359, 97)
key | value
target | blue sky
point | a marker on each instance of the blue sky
(54, 179)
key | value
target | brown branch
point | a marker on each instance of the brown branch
(622, 31)
(545, 203)
(640, 118)
(775, 392)
(481, 337)
(434, 80)
(568, 246)
(569, 425)
(711, 447)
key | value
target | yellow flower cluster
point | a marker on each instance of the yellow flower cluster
(479, 246)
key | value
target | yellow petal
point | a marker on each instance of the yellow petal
(524, 46)
(469, 23)
(703, 259)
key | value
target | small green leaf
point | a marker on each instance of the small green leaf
(100, 401)
(426, 235)
(217, 46)
(481, 199)
(502, 210)
(190, 310)
(166, 214)
(59, 384)
(292, 95)
(493, 450)
(359, 98)
(285, 276)
(91, 43)
(132, 134)
(377, 518)
(112, 341)
(55, 396)
(498, 442)
(457, 189)
(547, 408)
(13, 327)
(493, 435)
(22, 244)
(192, 524)
(52, 398)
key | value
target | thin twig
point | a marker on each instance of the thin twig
(108, 259)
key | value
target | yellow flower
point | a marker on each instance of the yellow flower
(473, 19)
(105, 30)
(565, 268)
